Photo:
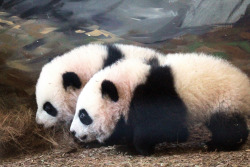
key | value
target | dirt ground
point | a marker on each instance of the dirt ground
(111, 156)
(191, 153)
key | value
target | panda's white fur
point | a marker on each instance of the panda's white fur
(84, 61)
(206, 85)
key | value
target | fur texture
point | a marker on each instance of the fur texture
(158, 102)
(62, 79)
(156, 113)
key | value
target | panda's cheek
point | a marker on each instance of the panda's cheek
(50, 122)
(46, 120)
(48, 125)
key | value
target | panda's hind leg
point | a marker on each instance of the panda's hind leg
(229, 131)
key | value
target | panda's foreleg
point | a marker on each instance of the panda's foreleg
(229, 131)
(143, 142)
(146, 136)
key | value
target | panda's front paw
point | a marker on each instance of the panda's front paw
(144, 149)
(143, 142)
(211, 146)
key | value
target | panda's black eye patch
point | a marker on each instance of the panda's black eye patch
(48, 107)
(84, 117)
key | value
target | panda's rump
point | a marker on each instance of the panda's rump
(208, 85)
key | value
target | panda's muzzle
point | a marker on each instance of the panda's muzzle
(73, 133)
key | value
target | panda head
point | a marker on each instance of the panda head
(62, 79)
(105, 99)
(56, 94)
(97, 111)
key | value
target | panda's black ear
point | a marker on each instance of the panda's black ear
(71, 79)
(109, 89)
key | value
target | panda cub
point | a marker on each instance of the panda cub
(62, 79)
(150, 104)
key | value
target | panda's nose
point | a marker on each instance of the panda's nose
(84, 137)
(73, 133)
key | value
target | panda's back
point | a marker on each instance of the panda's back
(208, 84)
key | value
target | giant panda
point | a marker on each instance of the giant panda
(150, 104)
(62, 79)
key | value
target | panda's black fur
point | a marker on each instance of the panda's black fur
(157, 114)
(114, 55)
(71, 79)
(229, 131)
(153, 62)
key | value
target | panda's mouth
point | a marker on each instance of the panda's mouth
(84, 138)
(79, 139)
